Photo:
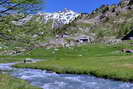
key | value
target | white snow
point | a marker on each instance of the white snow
(58, 18)
(61, 17)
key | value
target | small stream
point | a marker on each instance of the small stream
(51, 80)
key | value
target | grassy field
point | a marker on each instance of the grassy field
(7, 82)
(100, 60)
(9, 59)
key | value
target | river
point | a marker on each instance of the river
(51, 80)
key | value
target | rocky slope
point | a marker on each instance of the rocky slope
(58, 18)
(107, 24)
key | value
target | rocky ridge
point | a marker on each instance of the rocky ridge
(57, 18)
(109, 22)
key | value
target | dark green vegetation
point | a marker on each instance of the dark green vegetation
(100, 60)
(20, 35)
(7, 82)
(14, 37)
(19, 6)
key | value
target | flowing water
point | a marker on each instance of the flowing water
(51, 80)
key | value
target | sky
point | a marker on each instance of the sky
(81, 6)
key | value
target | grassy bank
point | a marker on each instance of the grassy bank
(100, 60)
(7, 82)
(9, 59)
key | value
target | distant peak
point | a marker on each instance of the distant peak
(66, 10)
(59, 18)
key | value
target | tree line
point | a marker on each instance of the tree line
(8, 7)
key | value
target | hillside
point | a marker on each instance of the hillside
(107, 24)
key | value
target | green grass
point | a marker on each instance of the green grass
(100, 60)
(9, 59)
(7, 82)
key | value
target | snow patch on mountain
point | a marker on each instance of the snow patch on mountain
(58, 18)
(61, 17)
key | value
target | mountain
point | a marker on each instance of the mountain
(58, 18)
(108, 24)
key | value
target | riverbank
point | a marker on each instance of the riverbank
(7, 82)
(106, 67)
(50, 80)
(10, 82)
(99, 60)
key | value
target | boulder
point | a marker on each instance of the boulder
(129, 36)
(127, 50)
(113, 41)
(130, 2)
(28, 60)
